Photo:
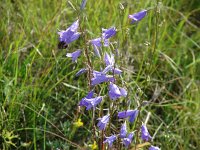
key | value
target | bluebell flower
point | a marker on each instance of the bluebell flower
(125, 114)
(99, 77)
(74, 26)
(96, 51)
(106, 42)
(110, 140)
(89, 95)
(70, 34)
(123, 92)
(128, 113)
(74, 55)
(96, 42)
(115, 92)
(138, 16)
(145, 133)
(103, 122)
(110, 61)
(92, 102)
(127, 141)
(154, 148)
(81, 71)
(133, 116)
(89, 101)
(104, 39)
(97, 73)
(117, 71)
(123, 131)
(83, 3)
(110, 68)
(99, 41)
(108, 33)
(107, 69)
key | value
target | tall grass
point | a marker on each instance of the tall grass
(38, 92)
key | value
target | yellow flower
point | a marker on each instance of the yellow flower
(94, 146)
(78, 123)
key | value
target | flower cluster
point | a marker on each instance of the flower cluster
(108, 75)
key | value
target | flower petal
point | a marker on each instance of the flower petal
(103, 122)
(154, 148)
(123, 131)
(138, 16)
(81, 71)
(110, 140)
(108, 33)
(145, 133)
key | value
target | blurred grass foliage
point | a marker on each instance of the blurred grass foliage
(159, 56)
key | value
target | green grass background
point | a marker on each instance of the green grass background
(160, 56)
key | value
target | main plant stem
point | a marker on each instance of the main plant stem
(89, 67)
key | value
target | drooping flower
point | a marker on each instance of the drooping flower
(145, 133)
(74, 55)
(133, 116)
(138, 16)
(89, 101)
(107, 69)
(106, 42)
(127, 141)
(123, 92)
(83, 4)
(70, 34)
(96, 42)
(115, 92)
(125, 114)
(99, 77)
(103, 122)
(74, 26)
(123, 131)
(89, 95)
(117, 71)
(110, 61)
(128, 113)
(110, 140)
(96, 51)
(154, 148)
(104, 39)
(97, 73)
(81, 71)
(108, 33)
(112, 69)
(92, 102)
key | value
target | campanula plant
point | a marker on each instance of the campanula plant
(105, 105)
